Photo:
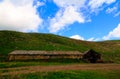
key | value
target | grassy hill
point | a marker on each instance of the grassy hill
(11, 40)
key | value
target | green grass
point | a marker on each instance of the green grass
(11, 40)
(94, 74)
(38, 63)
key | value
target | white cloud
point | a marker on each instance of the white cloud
(65, 3)
(64, 18)
(19, 15)
(78, 37)
(115, 33)
(91, 39)
(68, 14)
(117, 14)
(110, 10)
(37, 4)
(95, 4)
(114, 10)
(74, 11)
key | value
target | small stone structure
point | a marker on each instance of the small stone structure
(92, 56)
(37, 55)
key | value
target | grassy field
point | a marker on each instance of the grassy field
(86, 74)
(38, 63)
(11, 40)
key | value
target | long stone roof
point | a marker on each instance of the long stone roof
(32, 52)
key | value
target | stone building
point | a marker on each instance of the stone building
(92, 56)
(37, 55)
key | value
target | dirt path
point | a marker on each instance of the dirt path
(32, 69)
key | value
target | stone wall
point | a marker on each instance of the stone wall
(37, 57)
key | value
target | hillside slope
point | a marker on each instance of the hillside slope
(11, 40)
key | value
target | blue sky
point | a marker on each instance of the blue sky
(91, 20)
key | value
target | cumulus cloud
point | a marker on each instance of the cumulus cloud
(68, 14)
(115, 33)
(74, 11)
(62, 19)
(19, 15)
(78, 37)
